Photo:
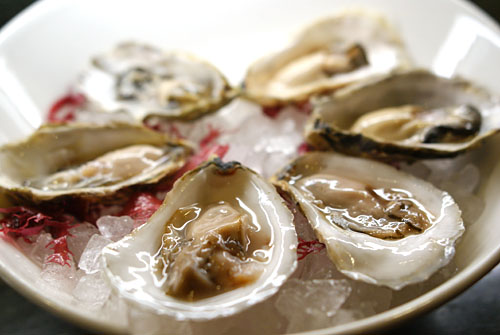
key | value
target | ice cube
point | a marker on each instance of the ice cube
(318, 266)
(39, 250)
(366, 299)
(311, 304)
(62, 277)
(92, 290)
(90, 260)
(79, 237)
(115, 227)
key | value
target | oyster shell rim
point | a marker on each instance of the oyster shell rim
(326, 136)
(203, 312)
(447, 243)
(35, 195)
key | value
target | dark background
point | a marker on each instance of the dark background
(477, 311)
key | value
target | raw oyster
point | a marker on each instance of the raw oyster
(222, 240)
(330, 54)
(87, 161)
(147, 82)
(379, 225)
(406, 115)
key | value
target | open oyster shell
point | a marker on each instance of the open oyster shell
(332, 53)
(379, 225)
(146, 82)
(222, 241)
(87, 161)
(406, 115)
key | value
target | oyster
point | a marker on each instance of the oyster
(222, 240)
(330, 54)
(379, 225)
(87, 161)
(147, 82)
(406, 115)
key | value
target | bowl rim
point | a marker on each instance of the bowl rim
(392, 317)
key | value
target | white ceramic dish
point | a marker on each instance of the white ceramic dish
(43, 49)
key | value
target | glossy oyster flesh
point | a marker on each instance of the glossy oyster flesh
(222, 240)
(327, 55)
(407, 115)
(379, 225)
(87, 161)
(147, 82)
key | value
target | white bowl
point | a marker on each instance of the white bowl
(43, 49)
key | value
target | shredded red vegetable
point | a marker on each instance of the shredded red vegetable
(61, 253)
(63, 110)
(140, 207)
(304, 148)
(305, 107)
(272, 112)
(24, 222)
(212, 135)
(305, 248)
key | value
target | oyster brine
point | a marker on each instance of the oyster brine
(87, 161)
(222, 240)
(332, 53)
(146, 82)
(405, 115)
(379, 225)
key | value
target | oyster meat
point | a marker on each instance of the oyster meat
(146, 82)
(87, 161)
(222, 240)
(335, 52)
(379, 225)
(406, 115)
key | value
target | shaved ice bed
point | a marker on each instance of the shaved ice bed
(316, 296)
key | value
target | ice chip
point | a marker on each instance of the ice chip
(79, 237)
(62, 277)
(311, 304)
(92, 290)
(39, 250)
(115, 227)
(90, 260)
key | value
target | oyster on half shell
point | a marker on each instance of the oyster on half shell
(405, 115)
(147, 82)
(87, 161)
(379, 225)
(332, 53)
(222, 241)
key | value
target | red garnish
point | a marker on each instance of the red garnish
(204, 154)
(305, 107)
(174, 131)
(61, 253)
(140, 207)
(305, 248)
(24, 222)
(304, 148)
(272, 112)
(63, 110)
(162, 127)
(212, 135)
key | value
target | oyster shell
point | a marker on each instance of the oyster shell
(332, 53)
(147, 82)
(379, 225)
(406, 115)
(222, 240)
(87, 161)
